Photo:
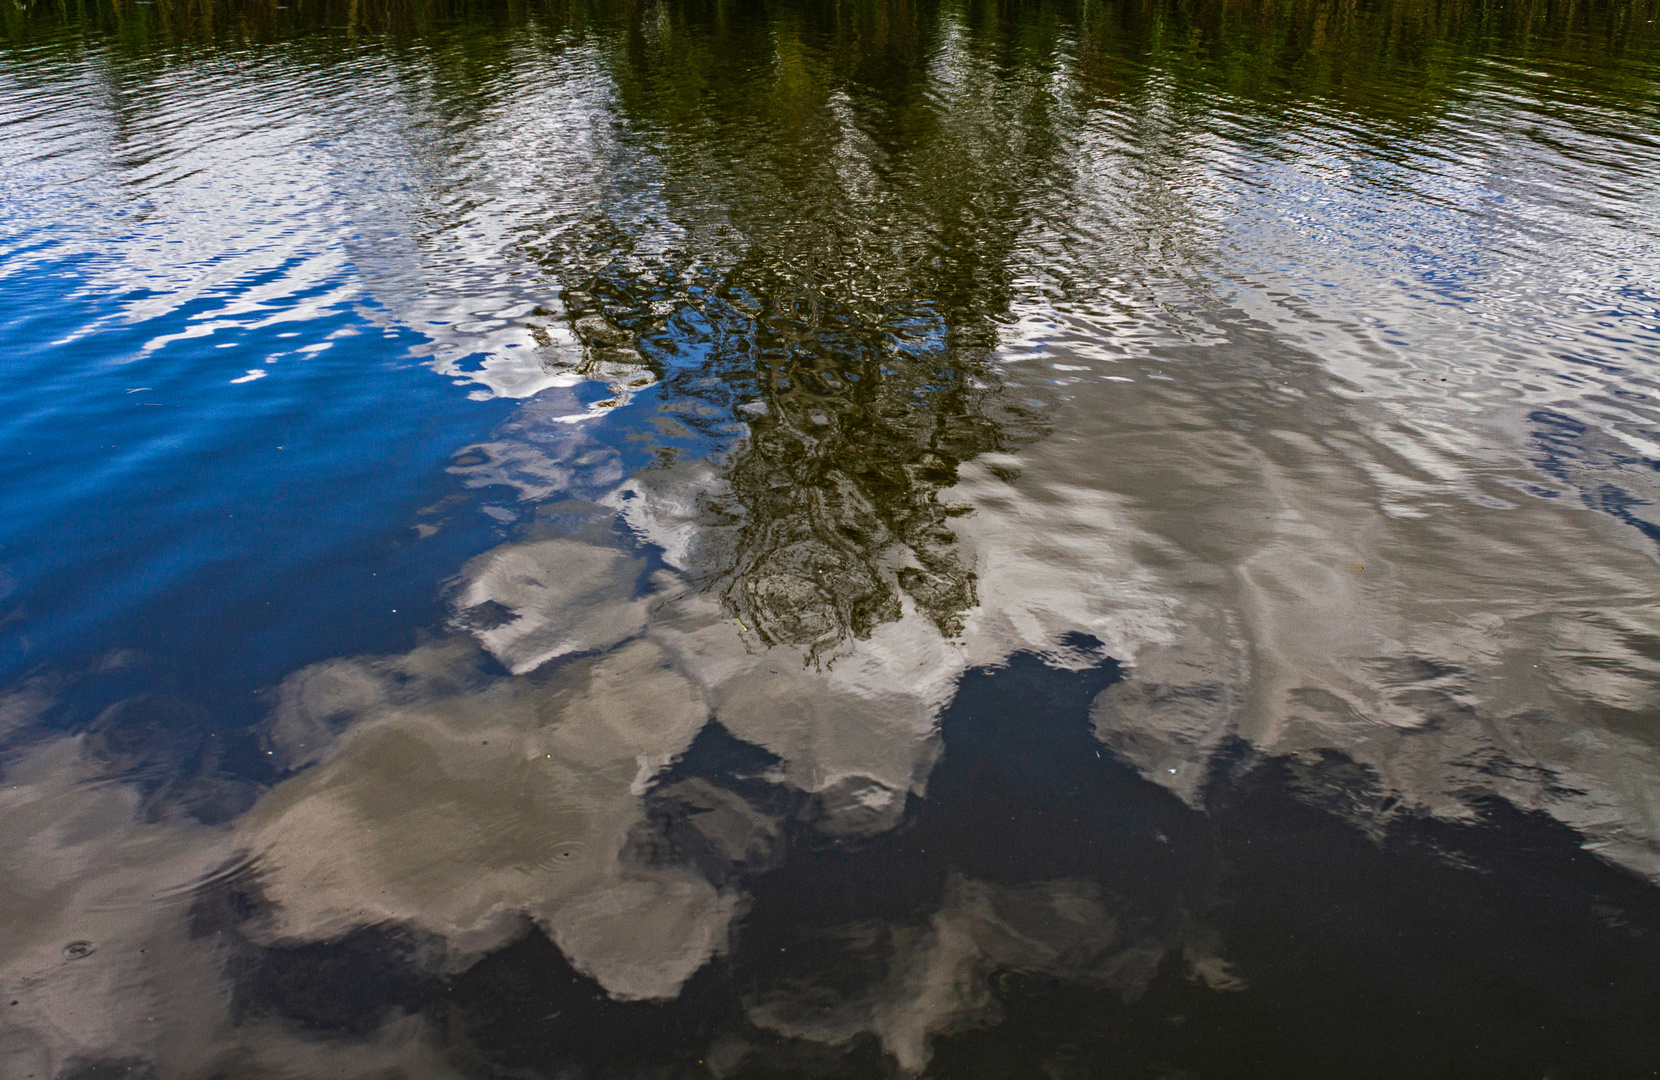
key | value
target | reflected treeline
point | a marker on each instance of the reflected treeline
(143, 26)
(1254, 48)
(1388, 59)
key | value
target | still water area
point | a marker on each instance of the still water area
(829, 538)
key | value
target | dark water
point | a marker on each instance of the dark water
(830, 539)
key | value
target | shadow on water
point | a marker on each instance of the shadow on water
(1045, 912)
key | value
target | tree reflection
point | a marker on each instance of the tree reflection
(844, 308)
(830, 510)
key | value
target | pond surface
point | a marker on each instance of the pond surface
(829, 539)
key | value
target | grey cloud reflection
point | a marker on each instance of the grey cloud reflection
(462, 815)
(83, 866)
(442, 797)
(1454, 655)
(935, 980)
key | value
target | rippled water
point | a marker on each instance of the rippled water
(830, 539)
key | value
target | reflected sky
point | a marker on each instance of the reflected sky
(856, 539)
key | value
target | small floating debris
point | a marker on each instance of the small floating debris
(77, 949)
(563, 856)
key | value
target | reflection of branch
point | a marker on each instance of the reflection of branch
(857, 417)
(819, 537)
(607, 353)
(836, 525)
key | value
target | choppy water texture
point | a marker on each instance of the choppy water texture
(829, 539)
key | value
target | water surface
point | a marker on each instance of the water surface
(854, 539)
